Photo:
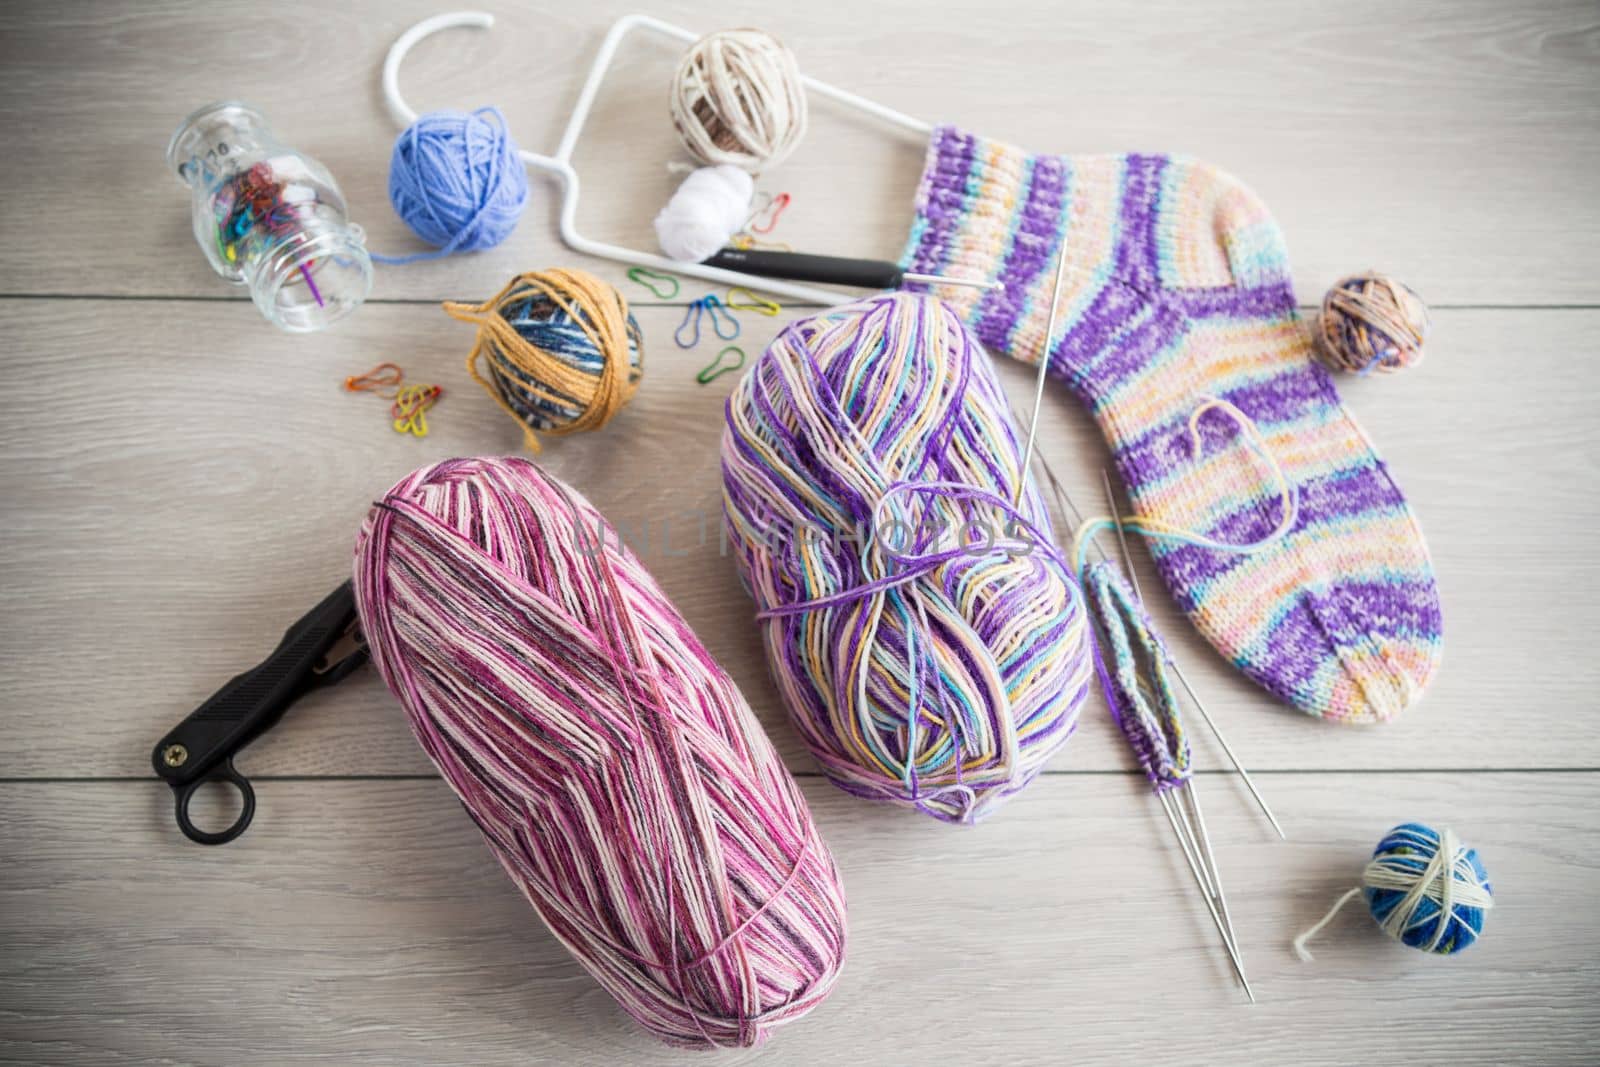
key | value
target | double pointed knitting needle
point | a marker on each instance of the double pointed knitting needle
(1044, 367)
(1194, 698)
(1067, 505)
(1210, 892)
(1172, 798)
(1196, 846)
(1189, 825)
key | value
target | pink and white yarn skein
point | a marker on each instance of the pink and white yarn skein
(613, 768)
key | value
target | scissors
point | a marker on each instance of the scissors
(322, 649)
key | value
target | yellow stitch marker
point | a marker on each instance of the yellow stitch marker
(759, 304)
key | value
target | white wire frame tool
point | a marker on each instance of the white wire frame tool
(560, 164)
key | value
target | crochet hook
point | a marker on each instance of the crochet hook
(832, 270)
(1199, 705)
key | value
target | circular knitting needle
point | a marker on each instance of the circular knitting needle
(1044, 367)
(1199, 705)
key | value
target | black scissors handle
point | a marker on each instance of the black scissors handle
(321, 649)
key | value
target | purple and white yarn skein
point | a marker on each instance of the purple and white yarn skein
(927, 635)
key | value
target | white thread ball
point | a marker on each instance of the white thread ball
(709, 207)
(737, 99)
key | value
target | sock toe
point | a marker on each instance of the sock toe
(1349, 652)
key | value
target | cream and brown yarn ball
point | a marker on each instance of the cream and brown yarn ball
(737, 99)
(1372, 323)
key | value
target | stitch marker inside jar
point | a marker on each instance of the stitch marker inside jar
(270, 218)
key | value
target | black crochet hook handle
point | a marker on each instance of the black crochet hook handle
(319, 650)
(803, 267)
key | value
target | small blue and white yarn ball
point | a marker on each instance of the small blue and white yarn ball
(1427, 889)
(1424, 888)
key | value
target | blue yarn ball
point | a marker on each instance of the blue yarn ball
(457, 181)
(1404, 889)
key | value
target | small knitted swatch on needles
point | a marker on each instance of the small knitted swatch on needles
(1177, 295)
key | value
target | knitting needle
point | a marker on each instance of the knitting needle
(1192, 836)
(952, 279)
(1044, 367)
(1222, 743)
(1199, 705)
(1181, 828)
(1188, 841)
(1216, 872)
(1184, 832)
(1122, 539)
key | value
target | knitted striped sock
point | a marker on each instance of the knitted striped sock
(1178, 291)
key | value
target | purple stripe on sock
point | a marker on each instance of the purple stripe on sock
(1033, 250)
(944, 195)
(1405, 610)
(1138, 350)
(1229, 302)
(1112, 309)
(1349, 615)
(1348, 494)
(1282, 398)
(1282, 667)
(1285, 397)
(1137, 257)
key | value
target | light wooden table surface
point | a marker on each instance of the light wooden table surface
(179, 481)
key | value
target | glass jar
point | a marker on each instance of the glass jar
(270, 219)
